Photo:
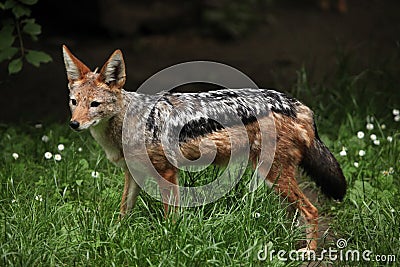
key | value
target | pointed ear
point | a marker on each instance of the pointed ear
(113, 71)
(75, 68)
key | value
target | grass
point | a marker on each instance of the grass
(65, 212)
(56, 212)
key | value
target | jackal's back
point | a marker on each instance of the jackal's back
(190, 115)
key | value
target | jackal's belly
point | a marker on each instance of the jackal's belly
(232, 143)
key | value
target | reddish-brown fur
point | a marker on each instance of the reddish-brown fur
(293, 136)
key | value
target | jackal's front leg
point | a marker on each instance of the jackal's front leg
(129, 195)
(169, 189)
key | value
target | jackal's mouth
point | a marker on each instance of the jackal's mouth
(88, 125)
(94, 123)
(78, 128)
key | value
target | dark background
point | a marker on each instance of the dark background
(276, 41)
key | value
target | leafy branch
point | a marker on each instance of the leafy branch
(16, 23)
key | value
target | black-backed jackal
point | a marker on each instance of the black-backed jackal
(99, 103)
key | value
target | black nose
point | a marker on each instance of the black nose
(74, 124)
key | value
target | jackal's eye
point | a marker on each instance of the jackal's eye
(94, 104)
(73, 101)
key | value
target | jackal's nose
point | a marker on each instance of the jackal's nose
(74, 124)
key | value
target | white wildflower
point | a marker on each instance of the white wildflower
(257, 215)
(361, 153)
(383, 126)
(396, 112)
(38, 125)
(45, 138)
(39, 198)
(13, 200)
(48, 155)
(370, 126)
(95, 174)
(80, 149)
(390, 139)
(15, 156)
(373, 137)
(377, 142)
(343, 152)
(57, 157)
(60, 147)
(356, 164)
(397, 118)
(391, 170)
(360, 134)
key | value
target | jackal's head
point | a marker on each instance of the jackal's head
(94, 97)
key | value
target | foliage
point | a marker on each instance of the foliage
(232, 19)
(347, 93)
(16, 22)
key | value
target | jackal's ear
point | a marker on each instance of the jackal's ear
(75, 68)
(113, 71)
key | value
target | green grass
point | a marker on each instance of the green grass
(56, 213)
(66, 212)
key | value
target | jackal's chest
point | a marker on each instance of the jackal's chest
(110, 143)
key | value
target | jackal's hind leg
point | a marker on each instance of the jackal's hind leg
(129, 195)
(284, 181)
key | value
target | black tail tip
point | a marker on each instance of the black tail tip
(335, 187)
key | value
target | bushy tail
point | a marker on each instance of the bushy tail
(321, 165)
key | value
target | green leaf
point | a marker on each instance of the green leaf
(9, 4)
(6, 37)
(84, 164)
(36, 57)
(15, 66)
(29, 2)
(20, 11)
(360, 191)
(31, 27)
(8, 53)
(63, 140)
